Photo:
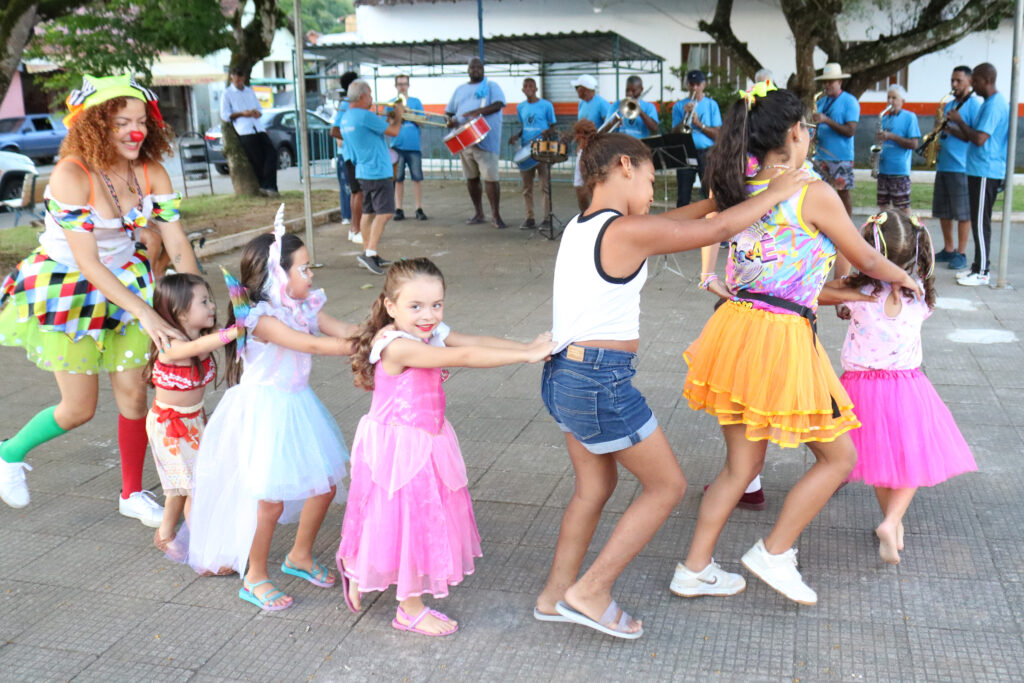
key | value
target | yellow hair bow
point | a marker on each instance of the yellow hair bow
(760, 89)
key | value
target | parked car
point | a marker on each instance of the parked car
(35, 135)
(13, 169)
(280, 124)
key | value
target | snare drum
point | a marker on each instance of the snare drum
(524, 158)
(549, 151)
(466, 135)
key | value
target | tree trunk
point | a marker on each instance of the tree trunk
(251, 44)
(16, 24)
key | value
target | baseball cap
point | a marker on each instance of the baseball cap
(695, 76)
(587, 81)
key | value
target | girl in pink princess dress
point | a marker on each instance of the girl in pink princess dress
(409, 519)
(907, 436)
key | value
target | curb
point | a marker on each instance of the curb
(221, 245)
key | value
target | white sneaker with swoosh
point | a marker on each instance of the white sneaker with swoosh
(712, 580)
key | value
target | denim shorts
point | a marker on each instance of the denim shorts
(413, 159)
(593, 398)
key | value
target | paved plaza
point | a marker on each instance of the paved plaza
(85, 596)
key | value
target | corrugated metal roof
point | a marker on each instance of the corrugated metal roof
(538, 48)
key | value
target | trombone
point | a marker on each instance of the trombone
(424, 118)
(628, 110)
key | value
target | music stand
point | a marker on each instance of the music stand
(672, 151)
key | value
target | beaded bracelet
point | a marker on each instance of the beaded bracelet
(707, 279)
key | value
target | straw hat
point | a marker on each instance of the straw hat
(831, 72)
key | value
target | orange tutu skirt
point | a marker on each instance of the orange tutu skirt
(757, 368)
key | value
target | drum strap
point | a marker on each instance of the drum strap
(801, 310)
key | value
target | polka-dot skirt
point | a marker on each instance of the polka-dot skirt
(115, 351)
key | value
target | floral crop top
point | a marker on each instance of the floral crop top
(182, 377)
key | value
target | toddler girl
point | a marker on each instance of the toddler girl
(271, 449)
(907, 436)
(179, 373)
(409, 520)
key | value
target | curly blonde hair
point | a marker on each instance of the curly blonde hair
(89, 137)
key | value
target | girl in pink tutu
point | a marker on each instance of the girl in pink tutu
(907, 436)
(409, 519)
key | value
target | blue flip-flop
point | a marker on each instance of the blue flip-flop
(318, 577)
(608, 617)
(246, 593)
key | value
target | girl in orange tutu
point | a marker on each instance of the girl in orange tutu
(757, 365)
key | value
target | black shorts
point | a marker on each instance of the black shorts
(378, 196)
(353, 182)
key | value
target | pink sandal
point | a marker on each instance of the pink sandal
(412, 625)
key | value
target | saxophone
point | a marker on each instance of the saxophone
(876, 149)
(813, 145)
(930, 144)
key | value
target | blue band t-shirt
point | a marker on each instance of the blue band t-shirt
(952, 150)
(470, 96)
(363, 132)
(831, 145)
(536, 118)
(895, 160)
(708, 113)
(597, 110)
(989, 160)
(637, 128)
(408, 138)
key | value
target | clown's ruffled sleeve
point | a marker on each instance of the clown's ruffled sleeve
(71, 217)
(167, 207)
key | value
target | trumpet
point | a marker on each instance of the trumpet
(424, 118)
(629, 109)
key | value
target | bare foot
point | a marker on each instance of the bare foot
(887, 543)
(161, 542)
(354, 595)
(899, 537)
(430, 623)
(594, 606)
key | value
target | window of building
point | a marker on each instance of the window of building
(715, 60)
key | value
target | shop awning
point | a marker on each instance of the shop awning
(172, 70)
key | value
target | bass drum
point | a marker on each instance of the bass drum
(467, 135)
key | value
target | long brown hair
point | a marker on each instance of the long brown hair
(253, 271)
(602, 151)
(172, 297)
(904, 241)
(89, 137)
(399, 273)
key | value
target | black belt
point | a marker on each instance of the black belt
(801, 310)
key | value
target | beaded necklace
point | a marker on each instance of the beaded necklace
(133, 184)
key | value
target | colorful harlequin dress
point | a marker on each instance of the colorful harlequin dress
(761, 365)
(63, 321)
(409, 520)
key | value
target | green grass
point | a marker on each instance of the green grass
(15, 244)
(921, 196)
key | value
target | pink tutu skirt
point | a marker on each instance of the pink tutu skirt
(409, 520)
(907, 436)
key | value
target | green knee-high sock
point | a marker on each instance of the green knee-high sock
(38, 430)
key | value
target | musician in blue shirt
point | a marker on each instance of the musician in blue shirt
(410, 155)
(837, 115)
(537, 117)
(595, 109)
(987, 134)
(705, 120)
(646, 122)
(480, 97)
(899, 136)
(950, 200)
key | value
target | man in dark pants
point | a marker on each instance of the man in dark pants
(986, 165)
(705, 119)
(240, 107)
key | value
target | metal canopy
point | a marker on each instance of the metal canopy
(592, 47)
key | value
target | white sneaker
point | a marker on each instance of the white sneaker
(973, 280)
(712, 580)
(963, 273)
(355, 237)
(13, 489)
(142, 506)
(779, 572)
(345, 221)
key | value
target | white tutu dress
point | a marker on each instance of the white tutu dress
(270, 438)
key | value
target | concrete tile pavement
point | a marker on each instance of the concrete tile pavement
(85, 596)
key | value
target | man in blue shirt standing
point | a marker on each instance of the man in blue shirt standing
(950, 200)
(596, 109)
(837, 115)
(705, 122)
(537, 117)
(646, 122)
(898, 137)
(987, 134)
(480, 97)
(363, 132)
(410, 156)
(350, 194)
(240, 107)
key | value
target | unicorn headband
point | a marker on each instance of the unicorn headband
(96, 90)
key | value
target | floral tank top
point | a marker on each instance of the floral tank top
(780, 255)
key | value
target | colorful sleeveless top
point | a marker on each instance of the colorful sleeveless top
(780, 255)
(182, 377)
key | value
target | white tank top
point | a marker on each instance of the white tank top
(587, 302)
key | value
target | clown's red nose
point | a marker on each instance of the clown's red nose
(136, 136)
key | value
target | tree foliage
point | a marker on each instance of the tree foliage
(321, 15)
(918, 27)
(18, 18)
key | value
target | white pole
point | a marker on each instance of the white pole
(300, 96)
(1011, 152)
